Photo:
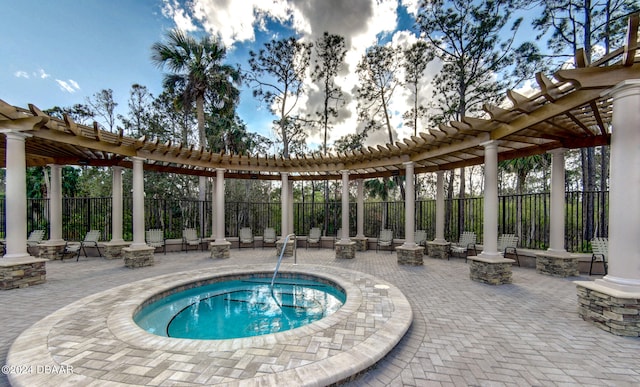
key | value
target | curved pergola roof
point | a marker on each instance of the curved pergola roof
(571, 110)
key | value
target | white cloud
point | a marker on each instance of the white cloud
(42, 74)
(69, 86)
(361, 22)
(235, 21)
(74, 84)
(36, 74)
(411, 6)
(172, 10)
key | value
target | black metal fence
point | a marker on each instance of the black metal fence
(528, 216)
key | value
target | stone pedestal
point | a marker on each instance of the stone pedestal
(613, 310)
(345, 250)
(362, 244)
(138, 256)
(560, 264)
(288, 252)
(220, 249)
(22, 272)
(490, 270)
(113, 250)
(439, 250)
(410, 255)
(51, 250)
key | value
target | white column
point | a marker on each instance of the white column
(440, 207)
(624, 192)
(138, 202)
(213, 210)
(345, 206)
(290, 212)
(360, 209)
(490, 227)
(116, 204)
(284, 199)
(219, 205)
(55, 205)
(16, 195)
(556, 230)
(409, 206)
(202, 196)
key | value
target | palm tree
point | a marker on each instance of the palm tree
(197, 74)
(380, 188)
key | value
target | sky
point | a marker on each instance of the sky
(59, 53)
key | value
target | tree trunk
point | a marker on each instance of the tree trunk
(520, 185)
(604, 177)
(588, 187)
(200, 113)
(449, 202)
(461, 198)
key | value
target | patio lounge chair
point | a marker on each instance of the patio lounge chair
(190, 238)
(35, 238)
(155, 238)
(269, 237)
(385, 239)
(420, 237)
(467, 241)
(314, 236)
(91, 239)
(600, 248)
(508, 243)
(246, 237)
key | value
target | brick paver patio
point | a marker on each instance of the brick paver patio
(463, 333)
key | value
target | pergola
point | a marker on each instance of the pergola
(574, 108)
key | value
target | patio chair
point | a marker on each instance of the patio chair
(269, 237)
(600, 249)
(246, 237)
(385, 240)
(91, 239)
(467, 241)
(35, 238)
(70, 249)
(509, 243)
(190, 238)
(420, 237)
(155, 238)
(314, 236)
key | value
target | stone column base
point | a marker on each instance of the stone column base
(609, 309)
(492, 271)
(138, 256)
(220, 249)
(557, 264)
(22, 272)
(113, 250)
(51, 250)
(288, 252)
(345, 250)
(410, 255)
(362, 243)
(439, 250)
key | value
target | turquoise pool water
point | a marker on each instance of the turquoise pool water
(240, 308)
